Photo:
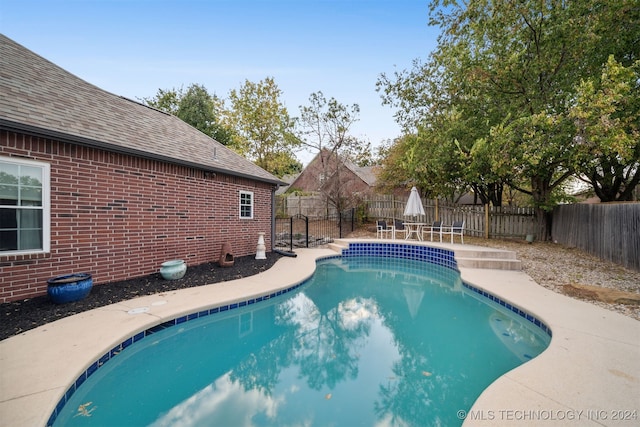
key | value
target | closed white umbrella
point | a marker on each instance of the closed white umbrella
(414, 204)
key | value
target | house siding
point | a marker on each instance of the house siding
(119, 216)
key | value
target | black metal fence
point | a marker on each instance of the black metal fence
(300, 231)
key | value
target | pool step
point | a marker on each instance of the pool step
(481, 257)
(466, 256)
(490, 263)
(338, 246)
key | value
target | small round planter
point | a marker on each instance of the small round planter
(69, 288)
(173, 270)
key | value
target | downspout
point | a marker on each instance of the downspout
(273, 215)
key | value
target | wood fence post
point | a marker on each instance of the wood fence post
(487, 223)
(437, 215)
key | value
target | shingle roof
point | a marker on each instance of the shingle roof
(365, 173)
(38, 97)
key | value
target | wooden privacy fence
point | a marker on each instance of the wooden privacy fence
(610, 231)
(480, 220)
(312, 206)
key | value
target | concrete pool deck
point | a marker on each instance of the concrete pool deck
(589, 375)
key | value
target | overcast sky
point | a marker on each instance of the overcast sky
(135, 47)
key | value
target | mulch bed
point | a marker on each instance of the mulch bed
(20, 316)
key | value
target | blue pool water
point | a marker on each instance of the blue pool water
(367, 341)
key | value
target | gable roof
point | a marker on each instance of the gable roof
(40, 98)
(367, 174)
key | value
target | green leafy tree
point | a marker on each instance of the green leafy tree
(204, 112)
(437, 102)
(264, 131)
(165, 100)
(500, 86)
(196, 107)
(395, 171)
(607, 118)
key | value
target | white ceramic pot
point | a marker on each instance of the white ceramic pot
(173, 270)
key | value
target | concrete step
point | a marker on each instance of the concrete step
(337, 246)
(484, 253)
(490, 263)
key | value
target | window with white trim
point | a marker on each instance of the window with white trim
(24, 206)
(246, 205)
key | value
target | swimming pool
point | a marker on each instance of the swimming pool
(368, 339)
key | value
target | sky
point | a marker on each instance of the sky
(133, 48)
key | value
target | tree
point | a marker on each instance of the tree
(196, 107)
(395, 171)
(324, 126)
(362, 154)
(204, 112)
(501, 83)
(440, 105)
(264, 132)
(607, 118)
(445, 156)
(165, 100)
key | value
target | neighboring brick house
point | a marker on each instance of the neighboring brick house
(94, 182)
(327, 171)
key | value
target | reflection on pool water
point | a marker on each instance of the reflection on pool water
(367, 341)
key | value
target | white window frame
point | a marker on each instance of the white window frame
(241, 205)
(45, 208)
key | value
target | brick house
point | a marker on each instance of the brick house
(327, 184)
(94, 182)
(327, 170)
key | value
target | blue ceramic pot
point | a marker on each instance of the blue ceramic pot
(173, 270)
(72, 287)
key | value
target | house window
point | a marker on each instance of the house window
(245, 324)
(246, 205)
(24, 205)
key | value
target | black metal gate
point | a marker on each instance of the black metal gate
(301, 231)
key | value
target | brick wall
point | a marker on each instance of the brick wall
(118, 216)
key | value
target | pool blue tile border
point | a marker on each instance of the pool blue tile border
(443, 257)
(515, 309)
(437, 256)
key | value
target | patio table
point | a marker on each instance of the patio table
(414, 228)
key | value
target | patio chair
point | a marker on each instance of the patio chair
(398, 227)
(457, 229)
(382, 229)
(435, 227)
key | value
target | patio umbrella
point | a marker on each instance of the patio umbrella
(414, 204)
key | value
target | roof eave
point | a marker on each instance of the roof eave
(74, 139)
